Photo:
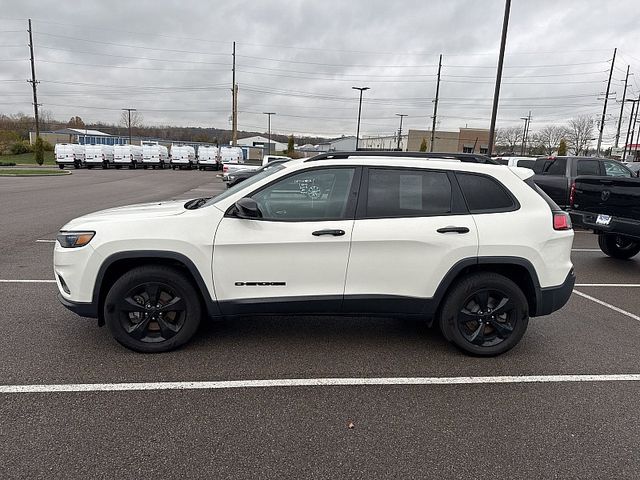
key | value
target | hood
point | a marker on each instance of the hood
(139, 211)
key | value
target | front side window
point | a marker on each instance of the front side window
(484, 194)
(321, 194)
(407, 193)
(613, 169)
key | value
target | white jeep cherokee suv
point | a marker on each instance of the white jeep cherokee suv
(477, 248)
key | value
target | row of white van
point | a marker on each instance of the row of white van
(154, 156)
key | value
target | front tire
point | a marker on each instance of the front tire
(152, 309)
(618, 246)
(61, 167)
(484, 314)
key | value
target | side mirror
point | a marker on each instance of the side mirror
(247, 208)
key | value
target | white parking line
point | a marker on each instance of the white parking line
(586, 250)
(26, 281)
(44, 240)
(607, 284)
(313, 382)
(608, 305)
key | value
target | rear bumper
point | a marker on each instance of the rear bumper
(620, 226)
(89, 310)
(552, 299)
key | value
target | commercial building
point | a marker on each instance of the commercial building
(79, 135)
(465, 140)
(259, 141)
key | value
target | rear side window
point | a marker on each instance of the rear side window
(484, 194)
(556, 167)
(526, 163)
(588, 167)
(407, 193)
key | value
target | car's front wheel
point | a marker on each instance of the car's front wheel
(484, 314)
(618, 246)
(152, 309)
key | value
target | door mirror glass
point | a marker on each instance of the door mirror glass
(247, 208)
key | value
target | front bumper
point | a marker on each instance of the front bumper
(552, 299)
(88, 310)
(619, 226)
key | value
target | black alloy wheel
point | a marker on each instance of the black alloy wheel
(487, 318)
(152, 309)
(484, 314)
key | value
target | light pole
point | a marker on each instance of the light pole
(401, 115)
(268, 114)
(362, 89)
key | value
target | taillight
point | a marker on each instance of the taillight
(225, 169)
(561, 221)
(572, 194)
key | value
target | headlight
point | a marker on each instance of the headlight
(74, 239)
(231, 177)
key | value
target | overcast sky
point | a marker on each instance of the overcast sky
(172, 61)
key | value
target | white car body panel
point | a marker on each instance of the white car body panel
(182, 155)
(69, 153)
(208, 156)
(96, 155)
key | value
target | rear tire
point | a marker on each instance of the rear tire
(61, 167)
(484, 314)
(152, 309)
(618, 246)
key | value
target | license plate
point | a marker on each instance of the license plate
(603, 219)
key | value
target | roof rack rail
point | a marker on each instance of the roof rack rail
(464, 157)
(378, 153)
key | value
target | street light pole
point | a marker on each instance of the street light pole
(362, 89)
(401, 115)
(268, 114)
(496, 93)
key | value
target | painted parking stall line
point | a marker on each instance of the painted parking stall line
(617, 285)
(45, 240)
(608, 305)
(314, 382)
(4, 280)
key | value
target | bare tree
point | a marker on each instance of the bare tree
(549, 137)
(580, 133)
(136, 119)
(75, 122)
(510, 137)
(46, 119)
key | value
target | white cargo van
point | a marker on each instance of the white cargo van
(127, 155)
(98, 155)
(231, 154)
(208, 157)
(69, 154)
(182, 156)
(154, 156)
(270, 158)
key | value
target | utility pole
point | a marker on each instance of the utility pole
(34, 83)
(268, 114)
(624, 95)
(234, 101)
(129, 110)
(606, 97)
(496, 93)
(524, 134)
(435, 107)
(362, 89)
(401, 115)
(626, 140)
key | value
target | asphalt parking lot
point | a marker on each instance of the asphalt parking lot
(552, 429)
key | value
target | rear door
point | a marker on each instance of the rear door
(410, 229)
(551, 176)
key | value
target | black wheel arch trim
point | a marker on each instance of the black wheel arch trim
(210, 304)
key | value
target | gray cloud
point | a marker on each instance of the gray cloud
(172, 61)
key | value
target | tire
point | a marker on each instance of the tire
(156, 333)
(145, 167)
(105, 165)
(118, 167)
(61, 167)
(89, 167)
(495, 335)
(618, 246)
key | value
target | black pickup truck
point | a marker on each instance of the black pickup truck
(611, 208)
(556, 175)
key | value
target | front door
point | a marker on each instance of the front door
(294, 258)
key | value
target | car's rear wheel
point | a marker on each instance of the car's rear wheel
(152, 309)
(484, 314)
(618, 246)
(61, 167)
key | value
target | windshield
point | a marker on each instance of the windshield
(262, 173)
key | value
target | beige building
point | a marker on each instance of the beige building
(470, 140)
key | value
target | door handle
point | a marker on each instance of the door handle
(453, 230)
(335, 233)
